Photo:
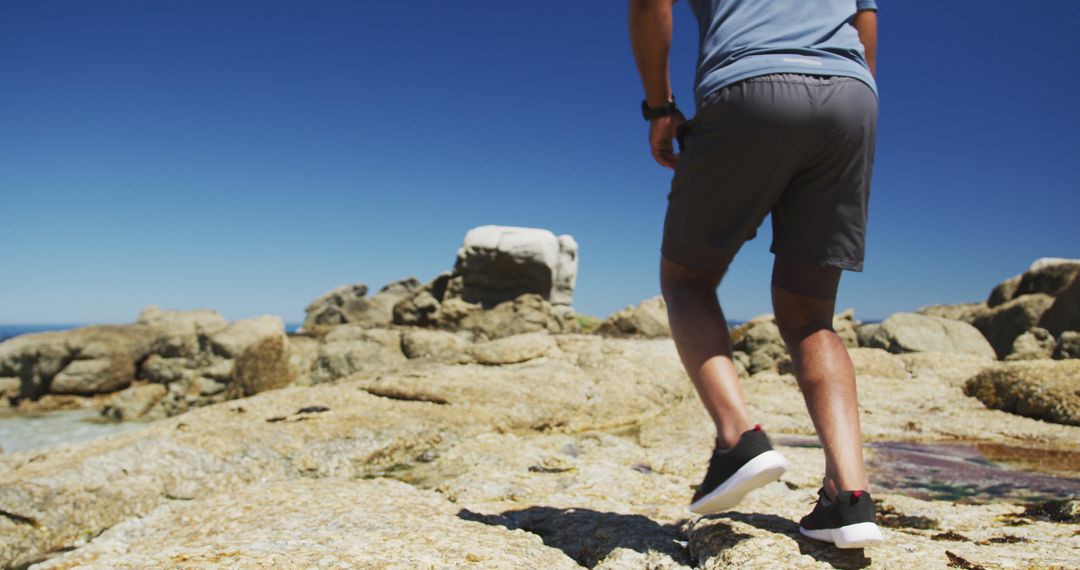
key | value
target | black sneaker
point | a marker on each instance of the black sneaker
(847, 522)
(733, 473)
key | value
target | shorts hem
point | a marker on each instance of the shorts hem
(845, 263)
(717, 265)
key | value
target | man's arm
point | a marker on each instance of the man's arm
(866, 23)
(650, 37)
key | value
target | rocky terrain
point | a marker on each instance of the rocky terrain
(451, 424)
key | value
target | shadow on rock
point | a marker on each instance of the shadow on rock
(590, 536)
(820, 551)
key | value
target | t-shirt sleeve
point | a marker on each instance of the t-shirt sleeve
(865, 4)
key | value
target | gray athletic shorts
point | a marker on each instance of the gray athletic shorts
(798, 146)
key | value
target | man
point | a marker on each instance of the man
(785, 124)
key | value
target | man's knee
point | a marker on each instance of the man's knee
(799, 316)
(673, 275)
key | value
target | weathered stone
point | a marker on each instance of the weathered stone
(59, 402)
(421, 308)
(1035, 344)
(756, 333)
(421, 343)
(1011, 319)
(1068, 345)
(966, 312)
(1043, 389)
(636, 379)
(82, 361)
(879, 363)
(351, 349)
(760, 339)
(161, 370)
(866, 331)
(512, 447)
(329, 309)
(500, 263)
(844, 325)
(910, 332)
(1064, 314)
(1004, 291)
(182, 323)
(133, 402)
(648, 319)
(1049, 275)
(94, 376)
(260, 352)
(349, 304)
(180, 334)
(310, 524)
(513, 349)
(78, 491)
(595, 496)
(954, 369)
(527, 313)
(9, 387)
(766, 358)
(303, 354)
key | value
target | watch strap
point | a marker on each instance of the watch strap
(650, 113)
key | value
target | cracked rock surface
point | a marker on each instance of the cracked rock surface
(583, 455)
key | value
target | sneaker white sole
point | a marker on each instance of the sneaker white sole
(757, 472)
(859, 535)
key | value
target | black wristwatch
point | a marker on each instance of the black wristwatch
(665, 110)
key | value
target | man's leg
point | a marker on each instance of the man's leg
(704, 344)
(822, 367)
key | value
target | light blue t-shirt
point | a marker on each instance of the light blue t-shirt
(740, 39)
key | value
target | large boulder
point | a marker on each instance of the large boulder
(911, 332)
(84, 361)
(1048, 275)
(350, 304)
(1035, 344)
(196, 357)
(1002, 324)
(966, 312)
(331, 308)
(1064, 314)
(425, 343)
(648, 319)
(352, 349)
(500, 263)
(501, 274)
(1047, 295)
(759, 338)
(513, 349)
(259, 351)
(1068, 345)
(1043, 389)
(526, 313)
(1004, 291)
(133, 402)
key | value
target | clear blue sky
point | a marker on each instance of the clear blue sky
(248, 155)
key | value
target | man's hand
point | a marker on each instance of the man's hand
(661, 134)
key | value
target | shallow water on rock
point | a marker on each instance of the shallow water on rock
(21, 433)
(969, 472)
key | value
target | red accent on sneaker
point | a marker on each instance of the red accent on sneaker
(757, 427)
(856, 494)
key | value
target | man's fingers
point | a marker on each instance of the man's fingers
(664, 153)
